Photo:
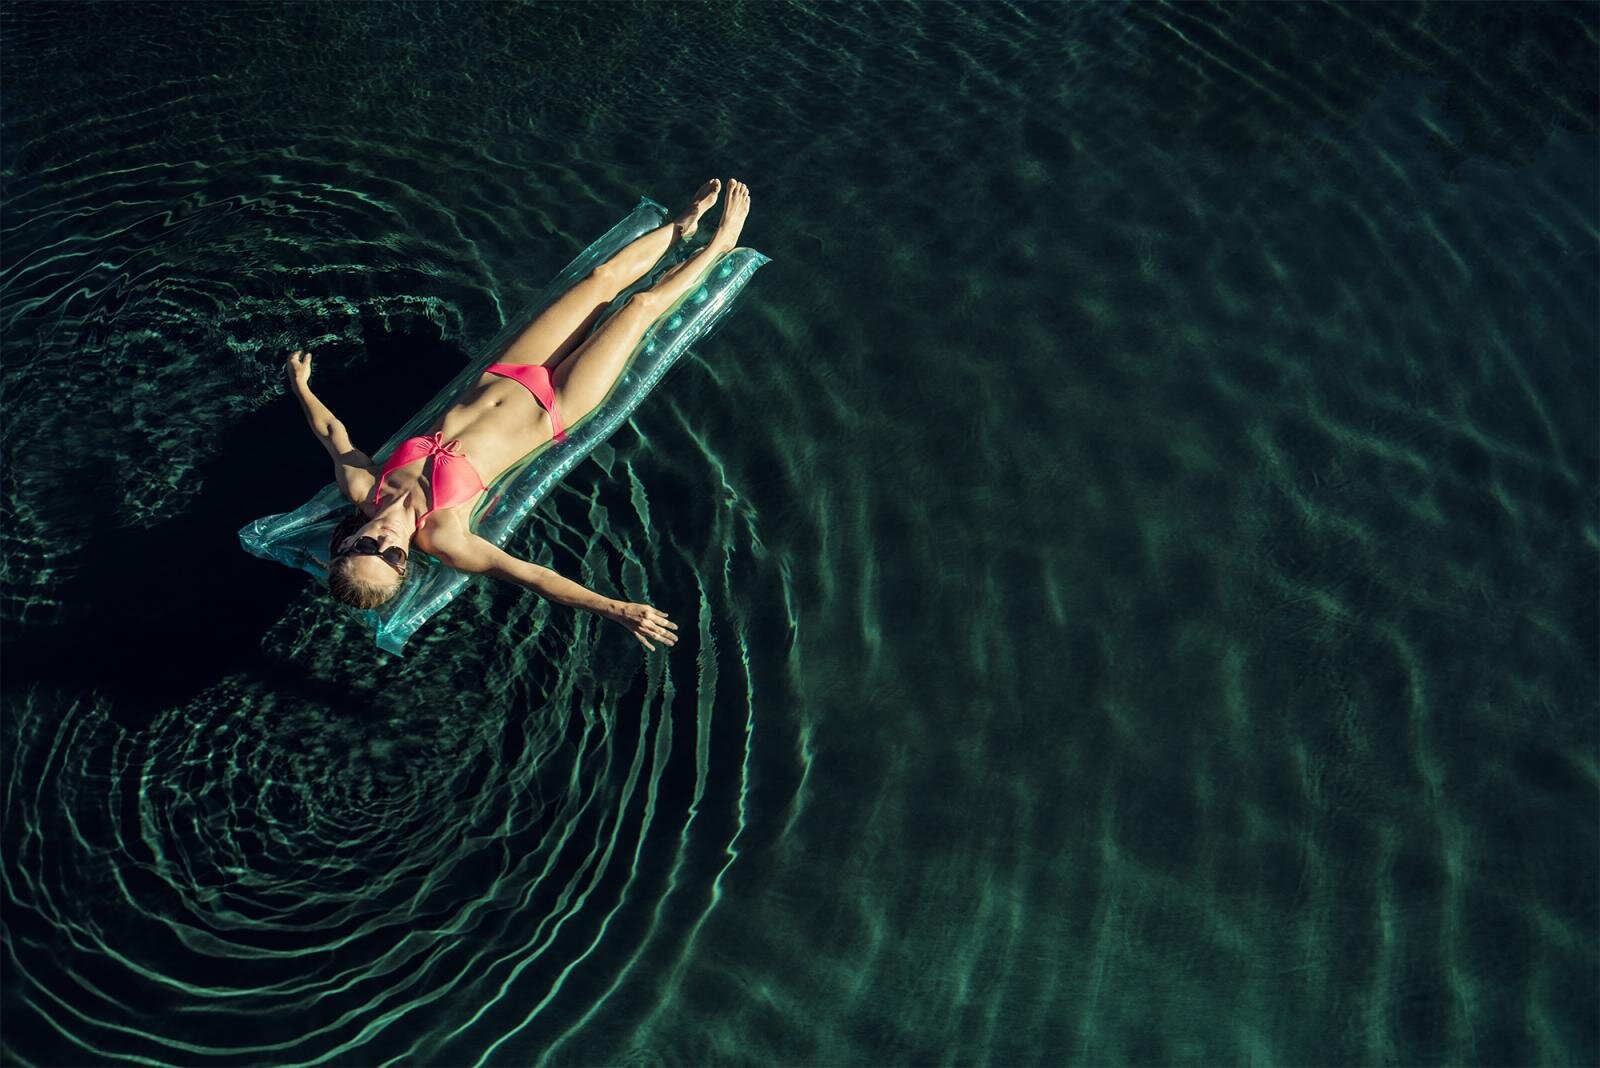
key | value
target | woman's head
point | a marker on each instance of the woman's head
(367, 561)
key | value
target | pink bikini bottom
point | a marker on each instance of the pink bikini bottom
(537, 378)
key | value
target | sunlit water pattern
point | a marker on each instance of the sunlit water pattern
(1135, 546)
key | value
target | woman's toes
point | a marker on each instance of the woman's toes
(689, 220)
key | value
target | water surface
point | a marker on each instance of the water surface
(1135, 546)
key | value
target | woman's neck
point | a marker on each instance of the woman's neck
(399, 513)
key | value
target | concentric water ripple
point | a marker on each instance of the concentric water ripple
(367, 868)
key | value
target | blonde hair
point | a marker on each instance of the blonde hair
(342, 582)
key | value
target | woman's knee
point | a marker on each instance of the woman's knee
(605, 273)
(646, 303)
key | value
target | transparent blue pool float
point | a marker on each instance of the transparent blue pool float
(300, 538)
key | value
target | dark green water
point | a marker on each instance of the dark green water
(1136, 545)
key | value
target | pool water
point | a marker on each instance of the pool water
(1136, 547)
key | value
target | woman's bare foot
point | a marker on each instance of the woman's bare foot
(688, 220)
(734, 211)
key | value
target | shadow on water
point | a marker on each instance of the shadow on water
(160, 614)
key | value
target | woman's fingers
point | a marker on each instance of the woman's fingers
(651, 622)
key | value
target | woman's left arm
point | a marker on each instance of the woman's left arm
(352, 468)
(479, 557)
(324, 424)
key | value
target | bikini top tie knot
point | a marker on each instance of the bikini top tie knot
(437, 444)
(453, 483)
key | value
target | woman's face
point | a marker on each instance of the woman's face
(375, 570)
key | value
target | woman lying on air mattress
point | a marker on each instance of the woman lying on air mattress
(549, 377)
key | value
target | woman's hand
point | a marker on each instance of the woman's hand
(645, 623)
(298, 367)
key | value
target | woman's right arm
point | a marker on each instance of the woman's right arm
(352, 468)
(476, 556)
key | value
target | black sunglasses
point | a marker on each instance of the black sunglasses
(394, 556)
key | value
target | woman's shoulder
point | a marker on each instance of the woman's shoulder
(444, 534)
(357, 483)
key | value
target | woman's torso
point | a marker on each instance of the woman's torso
(495, 422)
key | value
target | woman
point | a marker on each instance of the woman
(425, 492)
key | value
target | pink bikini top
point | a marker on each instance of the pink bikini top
(454, 479)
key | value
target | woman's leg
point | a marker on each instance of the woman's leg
(557, 330)
(583, 381)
